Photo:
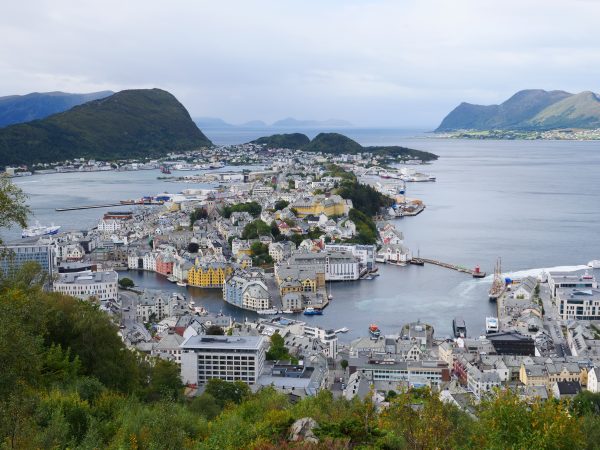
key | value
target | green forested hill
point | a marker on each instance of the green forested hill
(337, 144)
(129, 124)
(38, 105)
(286, 140)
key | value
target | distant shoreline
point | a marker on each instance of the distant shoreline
(549, 135)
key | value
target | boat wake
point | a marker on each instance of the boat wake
(519, 274)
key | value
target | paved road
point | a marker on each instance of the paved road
(553, 323)
(128, 306)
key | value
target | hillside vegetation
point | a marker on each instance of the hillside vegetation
(294, 141)
(38, 105)
(129, 124)
(533, 109)
(337, 144)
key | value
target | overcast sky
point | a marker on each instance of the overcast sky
(389, 63)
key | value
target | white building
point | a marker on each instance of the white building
(578, 303)
(394, 254)
(327, 337)
(229, 358)
(593, 378)
(557, 280)
(364, 253)
(149, 261)
(84, 285)
(109, 225)
(338, 266)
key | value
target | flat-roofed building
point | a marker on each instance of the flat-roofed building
(229, 358)
(415, 373)
(17, 255)
(558, 280)
(578, 303)
(87, 284)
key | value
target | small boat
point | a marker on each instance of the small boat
(374, 331)
(477, 273)
(165, 169)
(181, 283)
(594, 264)
(491, 325)
(459, 327)
(310, 311)
(287, 311)
(330, 297)
(172, 279)
(342, 330)
(268, 312)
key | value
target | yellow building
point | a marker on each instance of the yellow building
(316, 205)
(209, 275)
(295, 285)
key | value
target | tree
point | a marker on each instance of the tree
(224, 392)
(255, 229)
(198, 214)
(13, 210)
(126, 283)
(193, 247)
(278, 350)
(344, 364)
(280, 204)
(215, 330)
(165, 381)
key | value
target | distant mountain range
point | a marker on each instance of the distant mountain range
(129, 124)
(214, 122)
(337, 144)
(39, 105)
(532, 109)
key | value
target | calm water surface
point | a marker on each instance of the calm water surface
(533, 203)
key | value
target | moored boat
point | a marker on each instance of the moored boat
(310, 311)
(268, 312)
(594, 264)
(459, 327)
(374, 331)
(40, 230)
(491, 325)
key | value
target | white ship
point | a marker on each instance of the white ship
(594, 264)
(39, 230)
(491, 325)
(268, 312)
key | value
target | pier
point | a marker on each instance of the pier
(75, 208)
(421, 261)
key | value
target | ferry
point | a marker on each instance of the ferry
(310, 311)
(374, 331)
(594, 264)
(459, 327)
(40, 230)
(491, 325)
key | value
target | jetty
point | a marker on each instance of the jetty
(75, 208)
(475, 273)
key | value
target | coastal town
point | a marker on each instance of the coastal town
(272, 238)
